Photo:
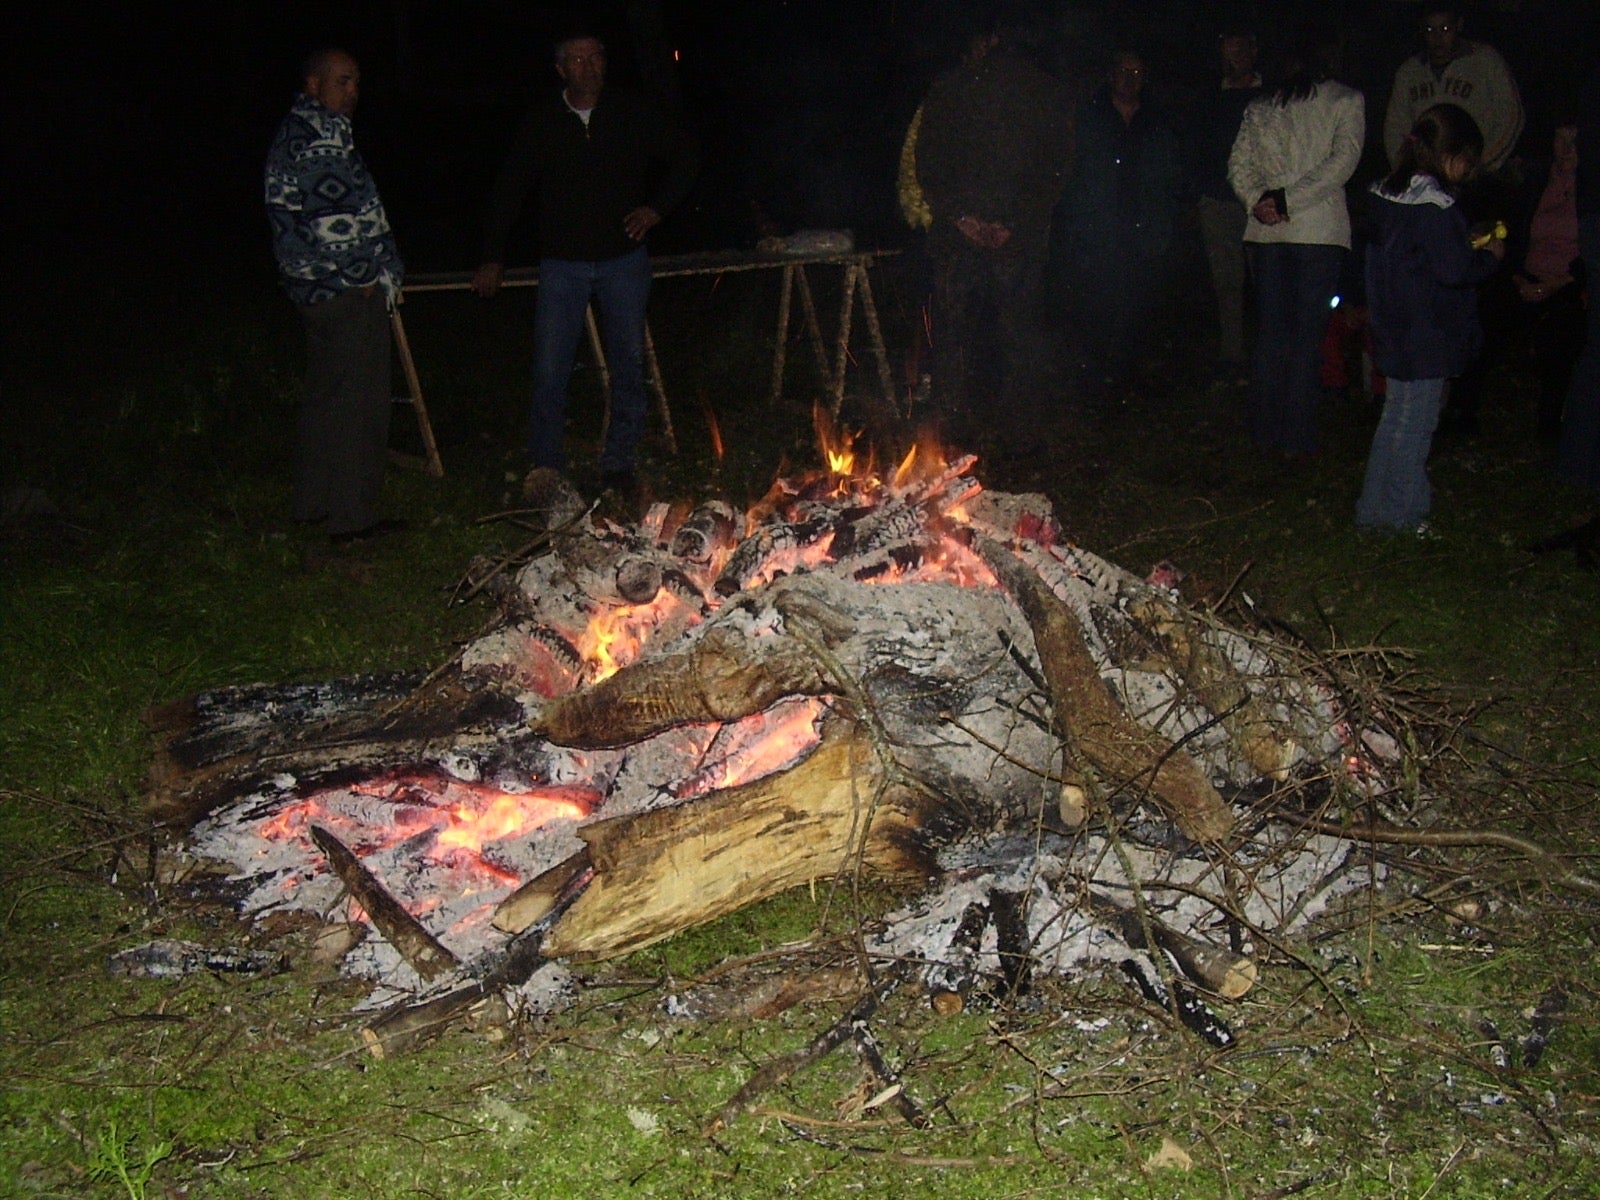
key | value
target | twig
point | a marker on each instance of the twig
(778, 1070)
(1558, 876)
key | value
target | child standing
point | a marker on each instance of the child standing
(1422, 272)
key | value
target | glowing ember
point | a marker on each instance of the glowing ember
(757, 746)
(464, 816)
(507, 815)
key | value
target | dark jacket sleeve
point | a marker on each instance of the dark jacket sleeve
(1449, 255)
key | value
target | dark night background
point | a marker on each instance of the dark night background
(134, 135)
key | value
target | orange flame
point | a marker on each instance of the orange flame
(715, 427)
(616, 636)
(837, 445)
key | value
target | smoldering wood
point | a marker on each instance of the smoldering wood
(426, 956)
(948, 708)
(407, 1025)
(216, 747)
(1224, 972)
(724, 676)
(1181, 1002)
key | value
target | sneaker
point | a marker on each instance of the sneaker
(367, 533)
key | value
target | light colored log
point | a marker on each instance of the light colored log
(1088, 718)
(664, 871)
(1216, 684)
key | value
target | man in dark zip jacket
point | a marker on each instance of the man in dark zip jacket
(604, 166)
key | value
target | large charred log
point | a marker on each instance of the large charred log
(216, 747)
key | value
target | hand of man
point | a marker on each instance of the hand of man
(640, 222)
(486, 280)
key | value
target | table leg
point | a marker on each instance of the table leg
(780, 352)
(847, 308)
(659, 387)
(605, 371)
(869, 308)
(408, 365)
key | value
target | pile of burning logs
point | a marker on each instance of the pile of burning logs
(1058, 762)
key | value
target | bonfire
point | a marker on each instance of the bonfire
(1057, 765)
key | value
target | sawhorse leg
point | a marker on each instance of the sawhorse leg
(856, 280)
(794, 276)
(432, 462)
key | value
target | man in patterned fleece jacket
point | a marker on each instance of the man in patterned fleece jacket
(338, 262)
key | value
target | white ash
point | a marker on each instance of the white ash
(1292, 879)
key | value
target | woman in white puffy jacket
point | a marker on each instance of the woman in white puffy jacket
(1298, 146)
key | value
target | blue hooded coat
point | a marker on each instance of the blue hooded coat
(1422, 275)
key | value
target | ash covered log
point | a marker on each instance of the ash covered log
(214, 748)
(416, 945)
(1092, 723)
(725, 676)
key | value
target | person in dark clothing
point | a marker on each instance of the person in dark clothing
(1207, 144)
(605, 165)
(993, 145)
(338, 262)
(1549, 275)
(1578, 454)
(1114, 223)
(1422, 269)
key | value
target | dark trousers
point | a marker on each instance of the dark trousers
(1554, 328)
(343, 432)
(1579, 455)
(621, 288)
(989, 346)
(1294, 285)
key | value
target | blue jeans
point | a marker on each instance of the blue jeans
(1579, 454)
(621, 288)
(1396, 495)
(1294, 284)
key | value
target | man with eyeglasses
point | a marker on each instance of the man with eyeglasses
(1455, 70)
(604, 165)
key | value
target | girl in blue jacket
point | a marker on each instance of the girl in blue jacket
(1422, 274)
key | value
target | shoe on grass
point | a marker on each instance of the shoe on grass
(378, 529)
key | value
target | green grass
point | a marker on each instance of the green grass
(1362, 1070)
